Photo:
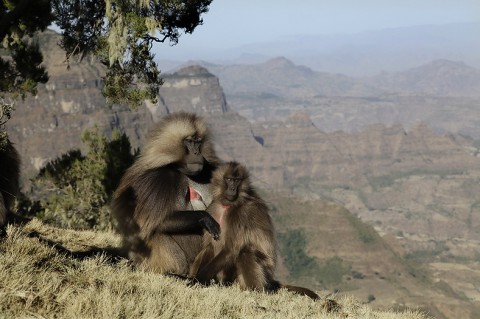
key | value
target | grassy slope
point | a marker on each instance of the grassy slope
(37, 281)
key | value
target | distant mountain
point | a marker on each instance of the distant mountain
(429, 92)
(280, 77)
(371, 52)
(391, 50)
(361, 54)
(439, 77)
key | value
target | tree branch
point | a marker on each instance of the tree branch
(11, 18)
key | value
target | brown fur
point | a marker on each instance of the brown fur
(9, 180)
(246, 250)
(150, 206)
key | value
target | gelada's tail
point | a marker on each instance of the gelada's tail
(301, 291)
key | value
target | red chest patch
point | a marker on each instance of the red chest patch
(195, 199)
(193, 194)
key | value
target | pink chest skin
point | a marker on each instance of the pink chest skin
(195, 199)
(223, 213)
(193, 195)
(219, 213)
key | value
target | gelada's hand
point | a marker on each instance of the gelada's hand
(211, 225)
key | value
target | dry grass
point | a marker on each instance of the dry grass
(38, 281)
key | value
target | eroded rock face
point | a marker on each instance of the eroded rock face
(51, 123)
(403, 182)
(193, 89)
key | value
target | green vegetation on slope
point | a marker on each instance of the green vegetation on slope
(74, 190)
(365, 232)
(381, 181)
(300, 265)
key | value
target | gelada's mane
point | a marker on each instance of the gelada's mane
(164, 143)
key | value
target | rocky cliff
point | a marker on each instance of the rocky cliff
(51, 123)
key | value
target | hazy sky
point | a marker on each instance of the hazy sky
(230, 23)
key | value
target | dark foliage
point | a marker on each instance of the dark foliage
(120, 33)
(74, 190)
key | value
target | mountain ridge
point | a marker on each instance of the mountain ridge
(366, 53)
(439, 77)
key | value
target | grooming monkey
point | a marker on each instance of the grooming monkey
(246, 249)
(153, 205)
